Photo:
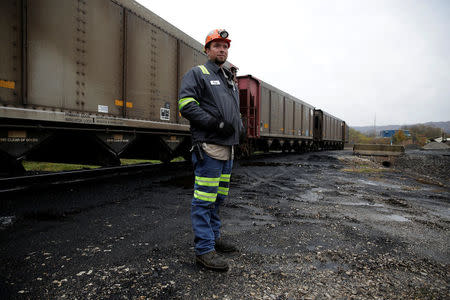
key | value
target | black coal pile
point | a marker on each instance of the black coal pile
(426, 163)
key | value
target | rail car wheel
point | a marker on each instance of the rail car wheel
(296, 147)
(264, 146)
(302, 147)
(286, 148)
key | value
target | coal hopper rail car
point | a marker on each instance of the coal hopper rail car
(329, 132)
(90, 82)
(276, 120)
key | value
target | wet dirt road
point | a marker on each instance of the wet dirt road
(325, 225)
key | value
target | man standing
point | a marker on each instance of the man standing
(209, 99)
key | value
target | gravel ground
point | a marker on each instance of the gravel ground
(325, 225)
(434, 164)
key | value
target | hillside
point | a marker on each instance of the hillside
(367, 129)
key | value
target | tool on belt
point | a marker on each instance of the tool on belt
(197, 149)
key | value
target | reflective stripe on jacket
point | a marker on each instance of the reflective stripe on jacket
(205, 95)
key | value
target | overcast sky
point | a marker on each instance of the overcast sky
(352, 58)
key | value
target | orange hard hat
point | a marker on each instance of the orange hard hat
(217, 34)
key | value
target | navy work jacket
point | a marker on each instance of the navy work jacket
(205, 96)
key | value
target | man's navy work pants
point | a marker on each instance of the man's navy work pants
(212, 182)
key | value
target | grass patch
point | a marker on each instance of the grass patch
(362, 170)
(429, 181)
(177, 159)
(59, 167)
(53, 167)
(126, 161)
(130, 161)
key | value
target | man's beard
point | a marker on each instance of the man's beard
(219, 61)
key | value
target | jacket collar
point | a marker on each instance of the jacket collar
(212, 66)
(216, 69)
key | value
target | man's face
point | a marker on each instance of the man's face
(217, 52)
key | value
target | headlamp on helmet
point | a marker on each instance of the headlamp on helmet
(217, 34)
(223, 33)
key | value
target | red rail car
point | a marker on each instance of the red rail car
(274, 120)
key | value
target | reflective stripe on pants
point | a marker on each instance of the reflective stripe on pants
(212, 181)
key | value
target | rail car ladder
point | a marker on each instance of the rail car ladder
(248, 113)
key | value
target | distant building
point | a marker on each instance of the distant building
(441, 139)
(390, 133)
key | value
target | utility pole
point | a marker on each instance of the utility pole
(375, 125)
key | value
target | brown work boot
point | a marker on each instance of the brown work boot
(224, 246)
(213, 261)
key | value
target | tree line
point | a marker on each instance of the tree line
(419, 135)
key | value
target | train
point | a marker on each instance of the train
(91, 82)
(276, 120)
